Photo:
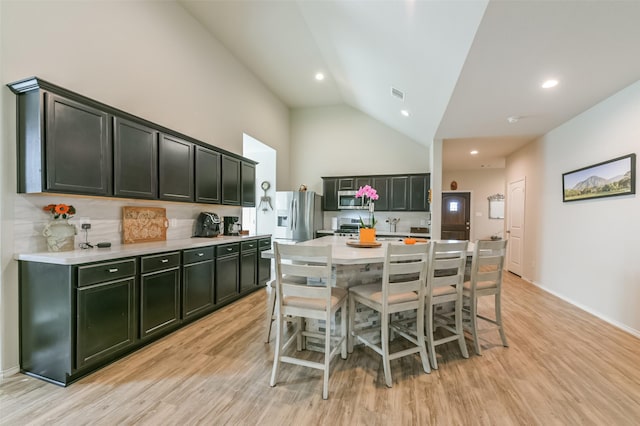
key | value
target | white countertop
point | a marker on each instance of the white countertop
(95, 254)
(342, 254)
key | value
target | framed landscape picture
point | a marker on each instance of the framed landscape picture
(606, 179)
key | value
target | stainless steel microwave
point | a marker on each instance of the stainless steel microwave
(347, 201)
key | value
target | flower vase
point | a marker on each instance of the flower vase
(367, 235)
(60, 235)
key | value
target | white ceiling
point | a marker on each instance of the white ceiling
(465, 66)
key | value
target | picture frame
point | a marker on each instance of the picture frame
(609, 178)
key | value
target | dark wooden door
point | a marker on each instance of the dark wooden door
(399, 193)
(330, 194)
(456, 216)
(159, 301)
(419, 193)
(176, 162)
(382, 186)
(230, 181)
(207, 176)
(248, 176)
(78, 148)
(227, 278)
(248, 267)
(197, 284)
(106, 320)
(135, 160)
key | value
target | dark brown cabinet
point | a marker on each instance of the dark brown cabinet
(159, 293)
(207, 176)
(419, 192)
(345, 184)
(264, 264)
(399, 199)
(198, 282)
(381, 184)
(248, 265)
(227, 272)
(230, 181)
(135, 160)
(77, 147)
(175, 168)
(248, 175)
(330, 194)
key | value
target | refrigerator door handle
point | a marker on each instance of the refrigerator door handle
(295, 214)
(291, 216)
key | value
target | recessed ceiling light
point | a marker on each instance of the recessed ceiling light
(404, 112)
(474, 152)
(549, 84)
(513, 119)
(319, 76)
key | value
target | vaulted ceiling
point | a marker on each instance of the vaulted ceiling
(464, 66)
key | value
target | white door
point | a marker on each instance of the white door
(515, 225)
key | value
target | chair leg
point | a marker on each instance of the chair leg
(428, 326)
(343, 330)
(276, 355)
(386, 365)
(352, 315)
(421, 343)
(474, 324)
(327, 359)
(299, 338)
(271, 306)
(459, 331)
(498, 305)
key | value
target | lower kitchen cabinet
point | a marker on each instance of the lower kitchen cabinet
(198, 281)
(227, 272)
(264, 264)
(248, 265)
(159, 293)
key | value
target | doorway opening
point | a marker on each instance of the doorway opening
(262, 218)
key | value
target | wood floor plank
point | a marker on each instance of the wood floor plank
(563, 366)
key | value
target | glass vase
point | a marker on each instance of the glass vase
(60, 235)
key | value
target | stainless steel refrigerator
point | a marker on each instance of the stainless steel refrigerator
(298, 216)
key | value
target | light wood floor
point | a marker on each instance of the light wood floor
(563, 367)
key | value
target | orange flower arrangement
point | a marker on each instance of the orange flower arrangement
(60, 211)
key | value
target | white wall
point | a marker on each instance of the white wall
(339, 141)
(151, 59)
(481, 184)
(588, 250)
(262, 221)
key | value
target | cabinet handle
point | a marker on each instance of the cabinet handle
(229, 249)
(164, 260)
(200, 254)
(250, 245)
(112, 270)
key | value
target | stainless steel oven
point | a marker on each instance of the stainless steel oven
(347, 201)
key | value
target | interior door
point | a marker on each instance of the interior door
(515, 225)
(456, 215)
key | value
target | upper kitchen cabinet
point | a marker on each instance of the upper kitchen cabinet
(248, 175)
(175, 171)
(399, 193)
(330, 194)
(135, 159)
(381, 185)
(230, 180)
(207, 176)
(419, 192)
(345, 184)
(64, 143)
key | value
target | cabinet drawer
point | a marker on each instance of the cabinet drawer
(265, 243)
(160, 261)
(249, 245)
(226, 249)
(103, 272)
(197, 255)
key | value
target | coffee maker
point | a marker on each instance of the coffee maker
(232, 225)
(207, 225)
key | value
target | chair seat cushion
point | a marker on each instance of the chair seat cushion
(482, 285)
(337, 295)
(444, 290)
(374, 292)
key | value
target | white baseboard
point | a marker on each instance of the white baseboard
(613, 322)
(9, 372)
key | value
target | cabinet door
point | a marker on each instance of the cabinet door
(419, 197)
(248, 184)
(330, 194)
(176, 159)
(106, 320)
(78, 148)
(230, 181)
(198, 286)
(362, 181)
(227, 278)
(248, 270)
(382, 186)
(399, 193)
(159, 301)
(135, 160)
(346, 183)
(207, 176)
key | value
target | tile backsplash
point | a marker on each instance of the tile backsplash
(407, 219)
(105, 216)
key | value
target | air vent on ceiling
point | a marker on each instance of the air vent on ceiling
(397, 93)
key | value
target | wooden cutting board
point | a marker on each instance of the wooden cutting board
(144, 224)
